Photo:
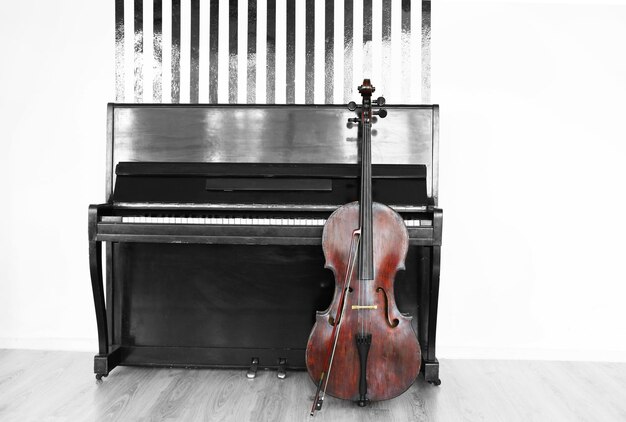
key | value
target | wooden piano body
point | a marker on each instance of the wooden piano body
(213, 226)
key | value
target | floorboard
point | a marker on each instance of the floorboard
(60, 386)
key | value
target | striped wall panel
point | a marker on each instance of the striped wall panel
(271, 51)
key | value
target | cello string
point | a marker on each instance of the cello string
(368, 206)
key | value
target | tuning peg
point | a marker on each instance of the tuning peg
(354, 120)
(351, 106)
(382, 113)
(380, 101)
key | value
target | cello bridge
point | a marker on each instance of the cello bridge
(357, 307)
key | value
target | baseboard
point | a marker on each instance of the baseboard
(74, 344)
(443, 352)
(499, 353)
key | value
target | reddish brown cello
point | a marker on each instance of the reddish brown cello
(362, 348)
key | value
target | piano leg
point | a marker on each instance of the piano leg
(431, 364)
(107, 358)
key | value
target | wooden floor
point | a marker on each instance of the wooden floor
(60, 386)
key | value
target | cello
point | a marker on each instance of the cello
(362, 347)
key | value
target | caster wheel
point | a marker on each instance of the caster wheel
(99, 377)
(435, 382)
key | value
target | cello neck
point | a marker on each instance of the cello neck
(366, 256)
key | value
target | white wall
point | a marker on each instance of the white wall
(532, 179)
(57, 76)
(532, 141)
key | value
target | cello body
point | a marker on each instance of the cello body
(394, 357)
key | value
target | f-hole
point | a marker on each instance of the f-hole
(331, 320)
(392, 323)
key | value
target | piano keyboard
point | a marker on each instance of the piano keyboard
(242, 221)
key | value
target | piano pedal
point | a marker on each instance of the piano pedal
(282, 368)
(254, 366)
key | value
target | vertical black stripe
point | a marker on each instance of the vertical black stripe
(309, 60)
(157, 42)
(367, 38)
(119, 50)
(426, 51)
(406, 50)
(291, 52)
(214, 29)
(194, 58)
(138, 51)
(347, 50)
(175, 51)
(386, 46)
(251, 51)
(329, 51)
(271, 52)
(232, 50)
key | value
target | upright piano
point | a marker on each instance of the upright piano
(212, 227)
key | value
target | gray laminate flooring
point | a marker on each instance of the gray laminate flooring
(60, 386)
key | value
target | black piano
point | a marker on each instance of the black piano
(213, 226)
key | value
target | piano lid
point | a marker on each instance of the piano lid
(284, 134)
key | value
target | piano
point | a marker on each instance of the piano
(213, 222)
